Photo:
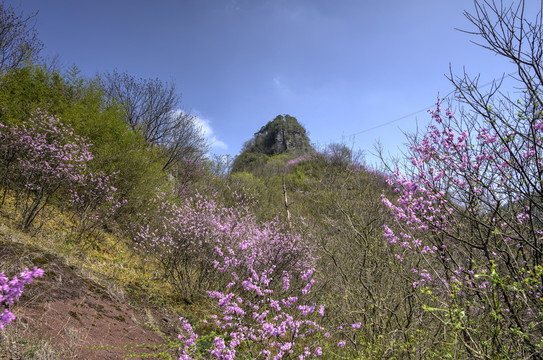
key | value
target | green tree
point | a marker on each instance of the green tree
(80, 102)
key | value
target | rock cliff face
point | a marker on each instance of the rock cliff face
(281, 135)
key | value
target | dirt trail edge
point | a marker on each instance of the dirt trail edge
(76, 317)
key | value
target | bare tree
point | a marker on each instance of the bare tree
(508, 32)
(19, 41)
(482, 165)
(147, 103)
(185, 142)
(152, 107)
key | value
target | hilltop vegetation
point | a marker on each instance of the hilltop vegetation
(294, 252)
(282, 136)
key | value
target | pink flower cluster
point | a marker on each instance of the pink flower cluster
(43, 157)
(260, 275)
(465, 214)
(304, 158)
(10, 290)
(43, 151)
(189, 337)
(94, 200)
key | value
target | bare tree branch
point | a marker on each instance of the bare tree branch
(152, 107)
(19, 41)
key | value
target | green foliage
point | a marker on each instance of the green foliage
(246, 161)
(273, 166)
(25, 89)
(205, 343)
(80, 102)
(247, 182)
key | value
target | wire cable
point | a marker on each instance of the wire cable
(418, 111)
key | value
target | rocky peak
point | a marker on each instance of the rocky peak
(284, 133)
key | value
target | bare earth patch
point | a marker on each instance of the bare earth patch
(76, 317)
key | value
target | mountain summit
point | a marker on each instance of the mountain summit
(284, 134)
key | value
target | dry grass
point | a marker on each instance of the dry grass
(17, 341)
(44, 351)
(109, 262)
(106, 259)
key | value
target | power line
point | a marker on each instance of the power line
(419, 111)
(390, 122)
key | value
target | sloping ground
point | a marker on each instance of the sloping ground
(67, 316)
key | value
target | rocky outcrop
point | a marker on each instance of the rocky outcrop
(284, 134)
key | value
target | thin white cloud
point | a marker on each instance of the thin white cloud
(205, 129)
(209, 134)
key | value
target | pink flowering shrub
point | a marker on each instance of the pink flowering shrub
(94, 201)
(304, 158)
(42, 159)
(259, 274)
(265, 318)
(191, 239)
(10, 290)
(468, 215)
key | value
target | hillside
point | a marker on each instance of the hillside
(121, 238)
(78, 309)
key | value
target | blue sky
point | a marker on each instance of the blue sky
(341, 67)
